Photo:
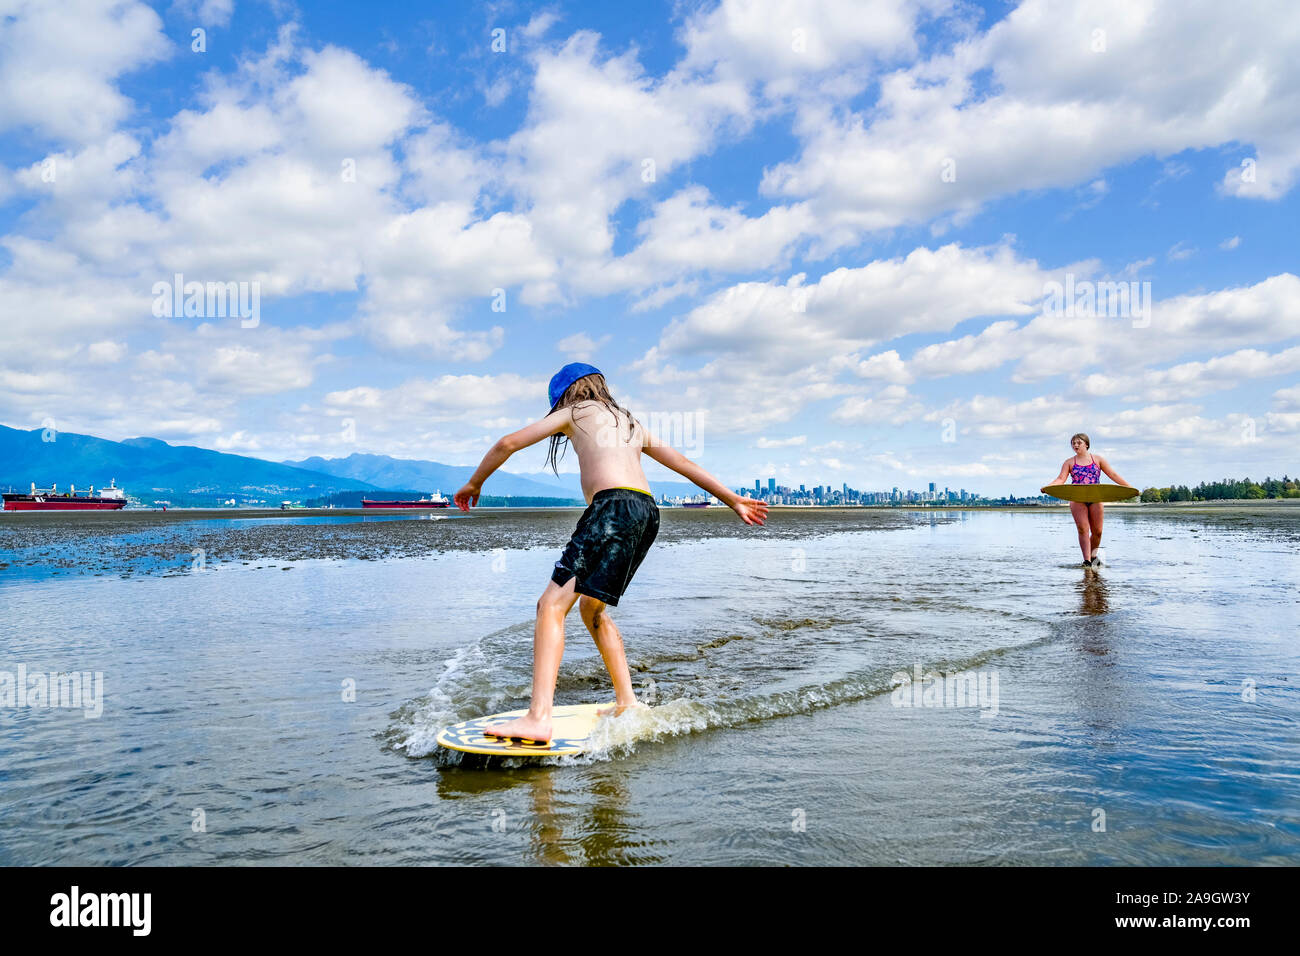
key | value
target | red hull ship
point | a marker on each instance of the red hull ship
(39, 499)
(436, 500)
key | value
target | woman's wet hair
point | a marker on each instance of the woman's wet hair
(1086, 440)
(589, 388)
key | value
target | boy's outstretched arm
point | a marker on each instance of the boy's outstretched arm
(751, 510)
(506, 446)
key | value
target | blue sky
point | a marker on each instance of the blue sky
(836, 272)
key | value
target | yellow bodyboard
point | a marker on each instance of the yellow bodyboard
(1090, 494)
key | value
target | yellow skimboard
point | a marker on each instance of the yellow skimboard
(1090, 494)
(571, 728)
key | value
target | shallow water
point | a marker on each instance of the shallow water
(1156, 697)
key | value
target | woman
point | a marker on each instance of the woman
(1085, 468)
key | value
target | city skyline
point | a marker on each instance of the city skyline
(846, 493)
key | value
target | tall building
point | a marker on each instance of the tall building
(932, 487)
(771, 485)
(757, 487)
(801, 489)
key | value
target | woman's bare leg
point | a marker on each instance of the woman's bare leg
(548, 649)
(1079, 511)
(610, 643)
(1094, 520)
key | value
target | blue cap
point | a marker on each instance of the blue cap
(566, 377)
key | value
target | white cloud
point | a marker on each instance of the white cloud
(1138, 441)
(1192, 379)
(59, 64)
(429, 266)
(1051, 345)
(208, 13)
(1134, 269)
(240, 442)
(784, 44)
(778, 347)
(885, 365)
(69, 181)
(1282, 423)
(285, 178)
(687, 233)
(540, 24)
(1049, 83)
(970, 353)
(591, 127)
(837, 446)
(445, 398)
(784, 325)
(105, 352)
(580, 346)
(994, 417)
(890, 406)
(1092, 194)
(1287, 399)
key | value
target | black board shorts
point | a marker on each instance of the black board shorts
(609, 544)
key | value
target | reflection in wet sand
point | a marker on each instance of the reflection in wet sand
(1093, 594)
(599, 830)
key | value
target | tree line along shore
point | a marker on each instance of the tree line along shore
(1227, 490)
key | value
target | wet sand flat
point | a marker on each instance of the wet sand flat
(128, 542)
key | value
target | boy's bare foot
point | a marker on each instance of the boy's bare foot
(525, 727)
(619, 709)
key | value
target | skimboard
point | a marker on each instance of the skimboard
(571, 728)
(1090, 494)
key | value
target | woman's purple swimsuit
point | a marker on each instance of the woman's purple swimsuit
(1085, 474)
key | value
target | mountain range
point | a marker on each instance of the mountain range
(384, 471)
(147, 467)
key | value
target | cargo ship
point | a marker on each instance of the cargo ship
(701, 501)
(41, 499)
(436, 500)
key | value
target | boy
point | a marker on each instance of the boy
(613, 534)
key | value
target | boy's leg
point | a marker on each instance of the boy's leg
(610, 642)
(548, 649)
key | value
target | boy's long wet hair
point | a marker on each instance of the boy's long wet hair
(589, 388)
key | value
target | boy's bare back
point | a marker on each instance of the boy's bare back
(607, 456)
(609, 448)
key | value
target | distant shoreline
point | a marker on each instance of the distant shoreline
(959, 506)
(238, 513)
